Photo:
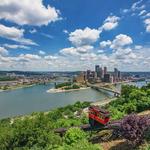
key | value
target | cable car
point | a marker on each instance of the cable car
(98, 117)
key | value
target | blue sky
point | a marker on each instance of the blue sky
(70, 35)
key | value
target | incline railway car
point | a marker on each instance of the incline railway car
(98, 117)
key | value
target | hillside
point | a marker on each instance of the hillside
(36, 131)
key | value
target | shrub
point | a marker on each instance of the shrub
(81, 145)
(73, 135)
(133, 128)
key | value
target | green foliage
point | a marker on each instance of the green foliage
(74, 135)
(63, 85)
(80, 145)
(147, 147)
(115, 113)
(132, 99)
(36, 132)
(5, 78)
(75, 86)
(67, 86)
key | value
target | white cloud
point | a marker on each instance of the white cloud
(84, 37)
(100, 51)
(42, 52)
(110, 23)
(138, 47)
(104, 44)
(76, 51)
(69, 51)
(50, 57)
(142, 12)
(14, 46)
(29, 57)
(121, 40)
(147, 15)
(125, 10)
(27, 12)
(147, 24)
(65, 31)
(135, 6)
(33, 31)
(47, 35)
(14, 34)
(125, 58)
(3, 51)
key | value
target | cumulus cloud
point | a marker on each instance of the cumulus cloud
(84, 37)
(29, 57)
(76, 51)
(121, 40)
(125, 58)
(104, 44)
(27, 12)
(110, 23)
(3, 51)
(50, 57)
(15, 34)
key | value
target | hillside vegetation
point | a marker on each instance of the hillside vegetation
(36, 131)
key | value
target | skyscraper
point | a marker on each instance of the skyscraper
(97, 68)
(116, 72)
(107, 78)
(117, 75)
(105, 70)
(97, 71)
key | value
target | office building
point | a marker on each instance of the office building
(105, 70)
(107, 78)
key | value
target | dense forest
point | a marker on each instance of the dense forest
(36, 131)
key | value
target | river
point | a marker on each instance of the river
(35, 98)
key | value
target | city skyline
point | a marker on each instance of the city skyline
(74, 36)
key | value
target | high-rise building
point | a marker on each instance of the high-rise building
(97, 68)
(105, 70)
(102, 73)
(107, 77)
(88, 74)
(115, 72)
(117, 75)
(97, 71)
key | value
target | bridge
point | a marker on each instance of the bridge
(99, 88)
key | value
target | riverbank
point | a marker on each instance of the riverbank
(85, 110)
(103, 102)
(17, 87)
(53, 90)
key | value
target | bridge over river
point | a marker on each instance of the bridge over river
(102, 88)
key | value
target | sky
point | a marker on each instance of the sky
(74, 35)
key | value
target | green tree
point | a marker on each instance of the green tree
(73, 135)
(80, 145)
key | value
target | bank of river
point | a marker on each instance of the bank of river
(33, 99)
(53, 90)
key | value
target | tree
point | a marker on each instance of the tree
(80, 145)
(133, 128)
(73, 135)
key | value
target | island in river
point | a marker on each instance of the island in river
(67, 87)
